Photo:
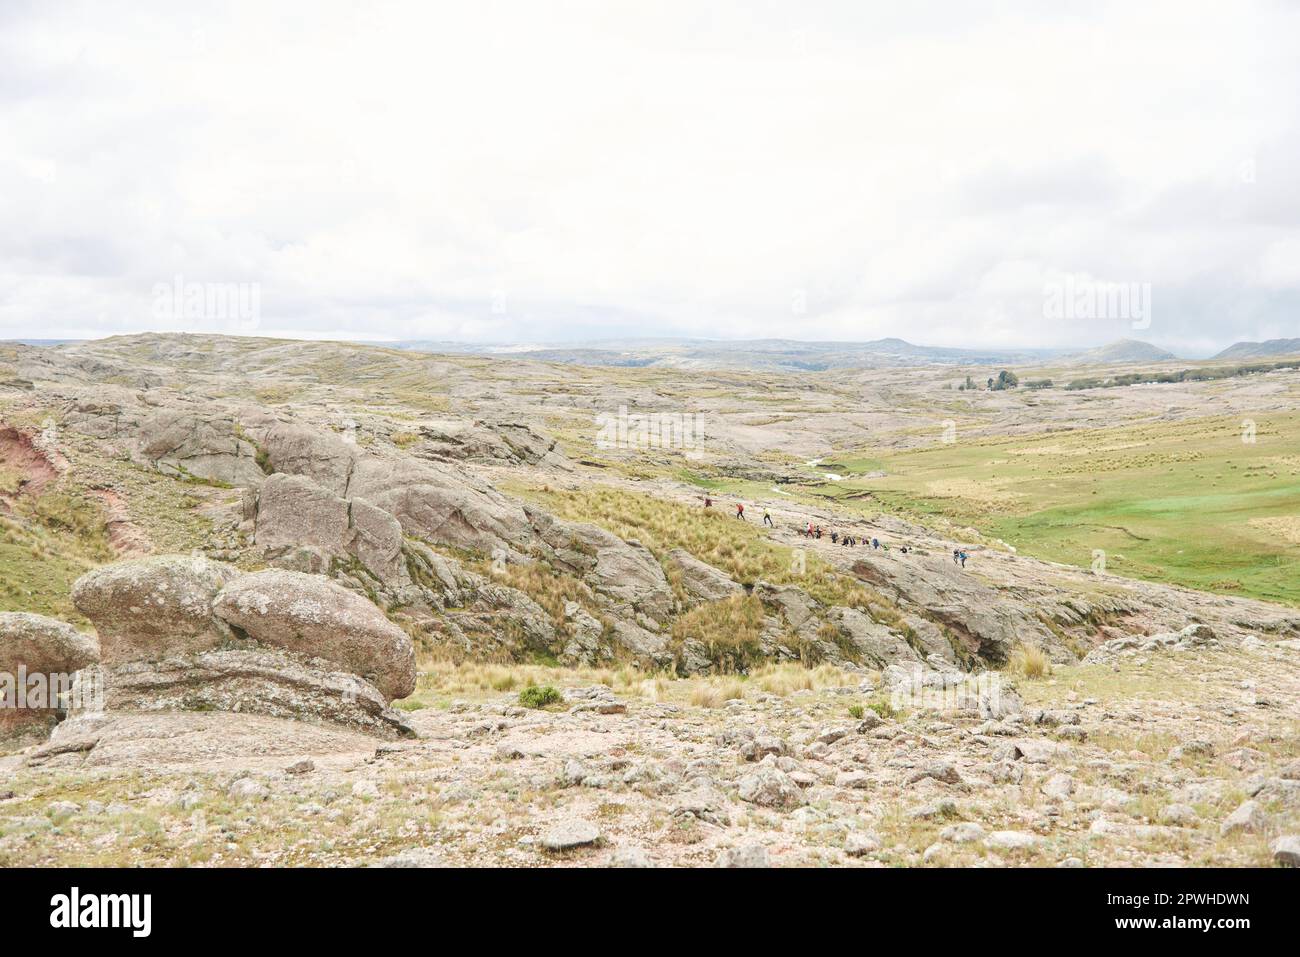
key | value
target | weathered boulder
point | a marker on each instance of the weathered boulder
(321, 456)
(261, 681)
(292, 512)
(800, 610)
(442, 507)
(43, 644)
(700, 580)
(41, 654)
(190, 445)
(875, 642)
(150, 608)
(625, 571)
(649, 647)
(314, 616)
(988, 622)
(377, 542)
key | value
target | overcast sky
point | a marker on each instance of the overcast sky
(548, 171)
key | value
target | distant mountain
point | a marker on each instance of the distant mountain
(1255, 350)
(786, 355)
(1123, 350)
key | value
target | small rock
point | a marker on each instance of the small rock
(1286, 850)
(747, 855)
(963, 833)
(859, 843)
(305, 766)
(249, 789)
(1011, 840)
(1059, 786)
(1249, 816)
(570, 833)
(857, 780)
(1178, 814)
(631, 857)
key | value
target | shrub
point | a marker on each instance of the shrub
(539, 696)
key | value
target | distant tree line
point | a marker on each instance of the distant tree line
(1201, 374)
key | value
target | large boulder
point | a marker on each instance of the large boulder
(42, 654)
(877, 643)
(43, 644)
(190, 445)
(800, 610)
(150, 608)
(292, 512)
(700, 580)
(314, 616)
(262, 681)
(444, 508)
(299, 450)
(627, 571)
(377, 542)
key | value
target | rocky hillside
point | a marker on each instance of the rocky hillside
(227, 534)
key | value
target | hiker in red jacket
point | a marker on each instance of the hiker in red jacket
(740, 512)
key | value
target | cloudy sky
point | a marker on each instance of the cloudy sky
(554, 171)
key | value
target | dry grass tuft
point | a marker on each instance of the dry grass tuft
(1031, 662)
(716, 693)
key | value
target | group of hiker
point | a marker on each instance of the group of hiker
(847, 539)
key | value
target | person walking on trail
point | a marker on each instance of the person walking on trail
(963, 559)
(708, 502)
(767, 519)
(835, 538)
(740, 511)
(808, 531)
(875, 543)
(956, 555)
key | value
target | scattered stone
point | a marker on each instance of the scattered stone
(570, 833)
(248, 789)
(860, 843)
(857, 780)
(1286, 850)
(942, 771)
(305, 766)
(1011, 840)
(962, 833)
(1248, 816)
(769, 786)
(747, 855)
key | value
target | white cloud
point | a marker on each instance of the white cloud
(545, 171)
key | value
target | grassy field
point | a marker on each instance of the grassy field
(1184, 502)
